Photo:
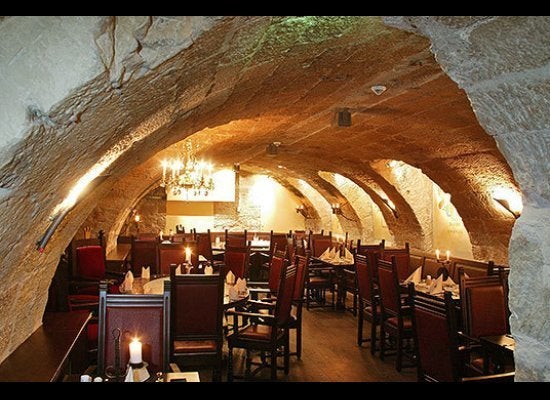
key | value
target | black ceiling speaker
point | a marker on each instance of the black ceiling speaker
(344, 118)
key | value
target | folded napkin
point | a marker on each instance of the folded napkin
(333, 253)
(415, 277)
(325, 255)
(202, 258)
(178, 269)
(241, 286)
(146, 272)
(449, 282)
(437, 286)
(208, 270)
(230, 278)
(166, 242)
(348, 256)
(233, 293)
(128, 282)
(137, 375)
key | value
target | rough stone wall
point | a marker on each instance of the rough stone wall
(88, 96)
(503, 65)
(152, 210)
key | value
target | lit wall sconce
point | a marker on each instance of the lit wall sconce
(391, 206)
(137, 219)
(336, 208)
(510, 200)
(301, 209)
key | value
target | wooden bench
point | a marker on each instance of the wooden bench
(54, 350)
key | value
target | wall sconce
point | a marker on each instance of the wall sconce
(137, 219)
(510, 200)
(336, 208)
(504, 203)
(301, 209)
(391, 206)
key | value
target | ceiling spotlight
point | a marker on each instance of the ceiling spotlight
(378, 89)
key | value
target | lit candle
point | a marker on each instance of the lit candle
(448, 253)
(160, 235)
(137, 218)
(437, 252)
(187, 254)
(135, 352)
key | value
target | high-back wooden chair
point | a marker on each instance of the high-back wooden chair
(270, 335)
(402, 259)
(173, 253)
(196, 320)
(368, 302)
(146, 317)
(144, 253)
(236, 260)
(396, 321)
(235, 239)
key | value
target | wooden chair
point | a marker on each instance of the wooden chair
(235, 239)
(147, 236)
(173, 253)
(369, 302)
(396, 321)
(269, 335)
(146, 317)
(402, 259)
(196, 337)
(472, 268)
(144, 253)
(272, 286)
(236, 260)
(435, 332)
(99, 240)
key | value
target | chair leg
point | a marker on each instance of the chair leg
(360, 327)
(399, 358)
(308, 294)
(274, 364)
(355, 304)
(230, 365)
(382, 341)
(299, 341)
(248, 363)
(287, 352)
(373, 335)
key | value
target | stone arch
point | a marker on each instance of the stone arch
(502, 64)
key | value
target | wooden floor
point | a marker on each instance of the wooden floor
(330, 354)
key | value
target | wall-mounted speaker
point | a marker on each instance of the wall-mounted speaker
(344, 118)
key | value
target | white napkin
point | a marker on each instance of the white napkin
(449, 282)
(230, 278)
(178, 269)
(202, 258)
(128, 282)
(325, 255)
(137, 375)
(208, 270)
(437, 286)
(348, 256)
(146, 272)
(415, 277)
(332, 254)
(129, 375)
(233, 293)
(241, 286)
(166, 242)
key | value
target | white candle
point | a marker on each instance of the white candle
(437, 252)
(187, 254)
(448, 253)
(135, 352)
(160, 234)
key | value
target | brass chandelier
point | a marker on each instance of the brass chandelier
(187, 174)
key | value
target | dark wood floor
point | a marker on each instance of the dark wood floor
(330, 354)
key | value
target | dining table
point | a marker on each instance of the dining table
(338, 265)
(155, 285)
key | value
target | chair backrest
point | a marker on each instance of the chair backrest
(365, 278)
(279, 240)
(236, 260)
(291, 247)
(197, 307)
(484, 305)
(275, 267)
(235, 239)
(435, 335)
(204, 245)
(388, 285)
(402, 260)
(301, 263)
(144, 253)
(470, 267)
(146, 317)
(180, 228)
(90, 262)
(147, 236)
(366, 248)
(173, 253)
(431, 267)
(416, 261)
(285, 295)
(318, 244)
